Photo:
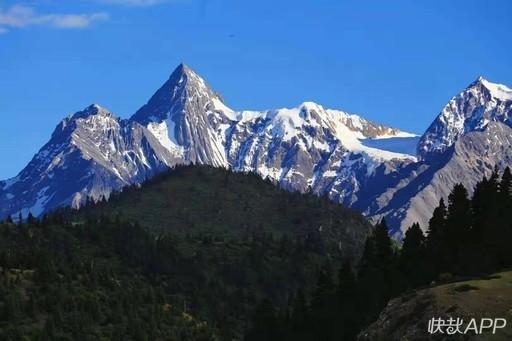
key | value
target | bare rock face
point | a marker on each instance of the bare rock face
(92, 152)
(471, 110)
(353, 161)
(468, 139)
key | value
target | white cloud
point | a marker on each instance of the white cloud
(19, 16)
(135, 2)
(3, 30)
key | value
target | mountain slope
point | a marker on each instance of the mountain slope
(188, 118)
(212, 244)
(471, 110)
(224, 240)
(207, 200)
(92, 152)
(469, 138)
(351, 160)
(89, 154)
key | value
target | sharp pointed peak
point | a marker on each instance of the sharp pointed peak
(185, 75)
(183, 69)
(496, 90)
(479, 81)
(182, 83)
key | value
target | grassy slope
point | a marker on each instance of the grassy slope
(479, 298)
(406, 317)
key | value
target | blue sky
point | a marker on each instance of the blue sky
(395, 62)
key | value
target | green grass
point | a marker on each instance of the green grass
(489, 297)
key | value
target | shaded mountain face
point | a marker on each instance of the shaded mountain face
(351, 160)
(89, 154)
(468, 139)
(471, 110)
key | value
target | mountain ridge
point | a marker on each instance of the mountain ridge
(307, 148)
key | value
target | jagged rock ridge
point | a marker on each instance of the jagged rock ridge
(92, 153)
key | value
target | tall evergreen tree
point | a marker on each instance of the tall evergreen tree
(436, 239)
(376, 273)
(413, 257)
(458, 228)
(506, 184)
(502, 233)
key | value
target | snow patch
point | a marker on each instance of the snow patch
(165, 134)
(498, 91)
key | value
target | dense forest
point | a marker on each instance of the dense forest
(469, 237)
(186, 256)
(239, 271)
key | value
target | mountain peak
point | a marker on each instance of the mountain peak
(472, 109)
(498, 91)
(182, 69)
(309, 105)
(183, 85)
(91, 110)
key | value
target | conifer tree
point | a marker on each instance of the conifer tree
(503, 221)
(458, 229)
(412, 257)
(31, 220)
(506, 184)
(376, 266)
(480, 206)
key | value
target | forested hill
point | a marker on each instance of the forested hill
(216, 202)
(188, 256)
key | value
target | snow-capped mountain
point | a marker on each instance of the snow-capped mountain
(469, 137)
(480, 103)
(90, 153)
(359, 163)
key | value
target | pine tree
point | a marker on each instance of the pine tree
(413, 256)
(506, 184)
(503, 221)
(31, 220)
(383, 249)
(480, 206)
(377, 273)
(458, 228)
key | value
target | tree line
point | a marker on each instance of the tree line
(467, 236)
